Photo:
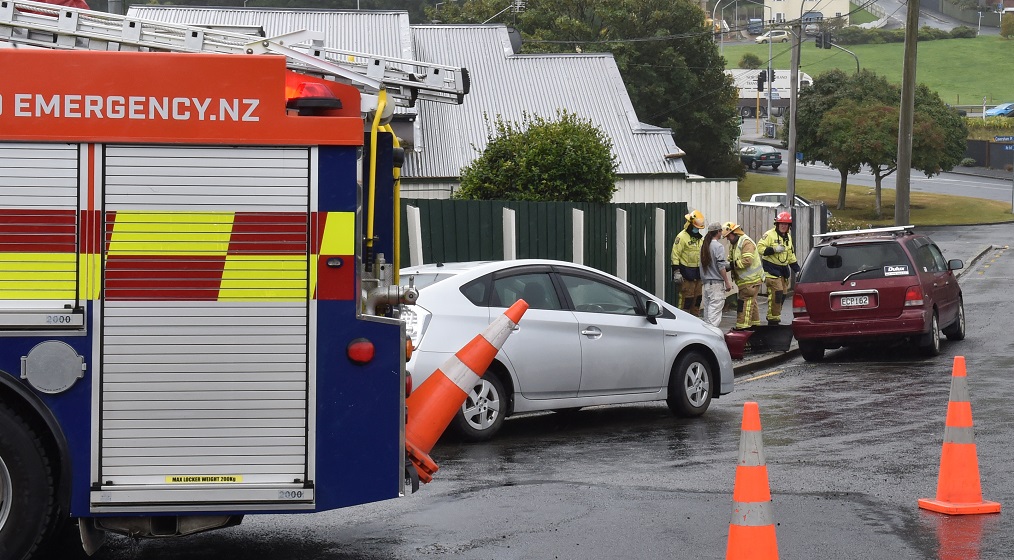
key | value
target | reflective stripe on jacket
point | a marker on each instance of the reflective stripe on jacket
(746, 267)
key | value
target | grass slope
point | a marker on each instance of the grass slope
(962, 71)
(925, 209)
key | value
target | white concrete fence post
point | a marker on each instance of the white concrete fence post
(510, 235)
(578, 246)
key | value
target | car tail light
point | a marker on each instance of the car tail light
(360, 351)
(409, 347)
(416, 319)
(798, 304)
(913, 297)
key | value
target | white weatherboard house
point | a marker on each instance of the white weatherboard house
(440, 139)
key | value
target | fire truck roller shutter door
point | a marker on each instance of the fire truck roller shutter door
(206, 321)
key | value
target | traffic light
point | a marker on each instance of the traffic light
(827, 39)
(820, 40)
(762, 77)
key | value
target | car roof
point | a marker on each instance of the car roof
(482, 267)
(872, 235)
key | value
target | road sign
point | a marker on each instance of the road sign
(1008, 147)
(1003, 138)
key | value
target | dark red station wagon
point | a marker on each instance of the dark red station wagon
(876, 285)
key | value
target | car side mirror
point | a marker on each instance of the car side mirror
(653, 311)
(955, 264)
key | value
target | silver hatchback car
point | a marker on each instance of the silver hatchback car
(587, 339)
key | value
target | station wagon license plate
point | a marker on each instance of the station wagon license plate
(855, 301)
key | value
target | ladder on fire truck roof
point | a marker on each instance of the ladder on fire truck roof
(59, 27)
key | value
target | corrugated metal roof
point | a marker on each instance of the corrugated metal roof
(503, 83)
(384, 33)
(588, 85)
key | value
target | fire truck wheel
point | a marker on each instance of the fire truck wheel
(27, 500)
(482, 415)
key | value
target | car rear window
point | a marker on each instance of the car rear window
(878, 260)
(424, 279)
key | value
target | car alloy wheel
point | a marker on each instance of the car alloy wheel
(956, 331)
(929, 344)
(482, 414)
(690, 385)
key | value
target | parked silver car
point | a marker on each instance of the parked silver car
(587, 339)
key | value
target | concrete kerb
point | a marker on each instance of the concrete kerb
(975, 258)
(751, 364)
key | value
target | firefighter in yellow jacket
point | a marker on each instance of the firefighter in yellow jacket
(685, 257)
(747, 273)
(778, 257)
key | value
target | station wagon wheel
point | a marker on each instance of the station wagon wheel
(690, 385)
(929, 343)
(956, 330)
(811, 351)
(482, 414)
(27, 503)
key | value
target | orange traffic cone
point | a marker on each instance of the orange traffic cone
(752, 530)
(433, 405)
(958, 488)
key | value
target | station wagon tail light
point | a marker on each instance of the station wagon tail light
(798, 304)
(913, 297)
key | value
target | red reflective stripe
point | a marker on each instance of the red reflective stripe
(186, 277)
(269, 233)
(38, 231)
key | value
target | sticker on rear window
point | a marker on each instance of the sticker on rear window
(896, 270)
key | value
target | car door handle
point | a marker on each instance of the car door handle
(594, 332)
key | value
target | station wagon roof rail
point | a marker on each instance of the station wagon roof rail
(896, 230)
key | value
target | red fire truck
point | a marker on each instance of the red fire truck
(198, 307)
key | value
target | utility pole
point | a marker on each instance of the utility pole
(906, 115)
(790, 187)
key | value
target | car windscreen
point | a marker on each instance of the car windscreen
(860, 261)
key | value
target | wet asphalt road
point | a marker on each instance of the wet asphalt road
(851, 444)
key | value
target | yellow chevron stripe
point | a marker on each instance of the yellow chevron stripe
(36, 276)
(339, 234)
(264, 278)
(90, 276)
(177, 233)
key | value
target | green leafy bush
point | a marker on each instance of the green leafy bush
(566, 160)
(1007, 26)
(860, 36)
(750, 61)
(964, 32)
(969, 162)
(932, 34)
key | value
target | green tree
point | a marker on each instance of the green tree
(831, 142)
(666, 54)
(567, 159)
(850, 120)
